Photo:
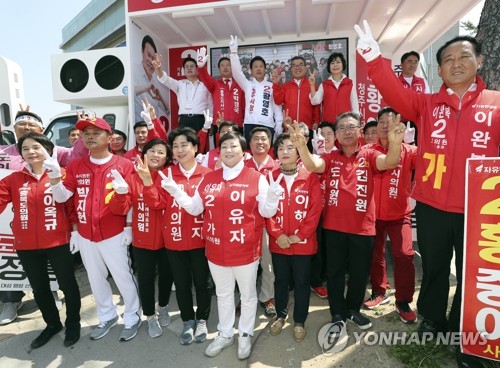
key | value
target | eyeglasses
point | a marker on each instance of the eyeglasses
(345, 128)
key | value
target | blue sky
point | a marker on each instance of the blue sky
(30, 32)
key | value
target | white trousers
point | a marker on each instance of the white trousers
(225, 278)
(267, 277)
(97, 259)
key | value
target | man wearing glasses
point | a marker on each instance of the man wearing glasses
(294, 95)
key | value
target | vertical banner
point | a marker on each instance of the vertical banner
(481, 276)
(176, 57)
(369, 98)
(12, 275)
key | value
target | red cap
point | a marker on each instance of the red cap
(95, 122)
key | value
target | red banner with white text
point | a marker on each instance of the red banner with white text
(481, 276)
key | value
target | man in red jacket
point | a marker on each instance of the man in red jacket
(103, 237)
(452, 129)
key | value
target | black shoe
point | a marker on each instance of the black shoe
(72, 336)
(468, 361)
(45, 336)
(361, 321)
(428, 327)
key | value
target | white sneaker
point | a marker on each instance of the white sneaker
(173, 287)
(201, 331)
(9, 312)
(218, 344)
(244, 346)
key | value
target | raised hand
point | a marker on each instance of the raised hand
(233, 44)
(318, 142)
(51, 164)
(409, 134)
(220, 119)
(275, 77)
(287, 120)
(296, 136)
(396, 131)
(367, 47)
(201, 57)
(275, 188)
(157, 65)
(142, 170)
(168, 183)
(148, 113)
(208, 120)
(119, 184)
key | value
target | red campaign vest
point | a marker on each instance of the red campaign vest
(213, 157)
(417, 83)
(146, 223)
(270, 165)
(349, 203)
(296, 100)
(336, 101)
(449, 131)
(92, 192)
(39, 222)
(232, 225)
(183, 231)
(298, 213)
(230, 102)
(393, 187)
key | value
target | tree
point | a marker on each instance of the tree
(489, 36)
(469, 27)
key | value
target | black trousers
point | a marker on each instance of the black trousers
(347, 253)
(11, 296)
(188, 266)
(318, 263)
(192, 121)
(35, 265)
(146, 261)
(297, 267)
(438, 234)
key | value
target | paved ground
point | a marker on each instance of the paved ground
(166, 351)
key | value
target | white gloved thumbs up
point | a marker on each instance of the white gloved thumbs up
(119, 184)
(409, 134)
(367, 47)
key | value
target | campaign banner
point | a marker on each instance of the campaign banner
(139, 5)
(12, 275)
(369, 98)
(481, 276)
(176, 57)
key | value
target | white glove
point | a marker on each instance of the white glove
(73, 242)
(201, 57)
(146, 117)
(208, 120)
(278, 129)
(119, 184)
(199, 158)
(127, 236)
(275, 189)
(318, 142)
(233, 44)
(409, 134)
(367, 46)
(50, 164)
(168, 183)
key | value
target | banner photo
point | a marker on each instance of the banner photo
(369, 98)
(12, 275)
(481, 276)
(176, 57)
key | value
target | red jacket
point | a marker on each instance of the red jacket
(92, 191)
(157, 132)
(146, 223)
(181, 231)
(450, 130)
(39, 222)
(298, 213)
(230, 102)
(349, 204)
(270, 165)
(417, 83)
(232, 225)
(296, 100)
(336, 101)
(393, 187)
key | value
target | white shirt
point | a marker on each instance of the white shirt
(318, 97)
(256, 111)
(192, 97)
(194, 205)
